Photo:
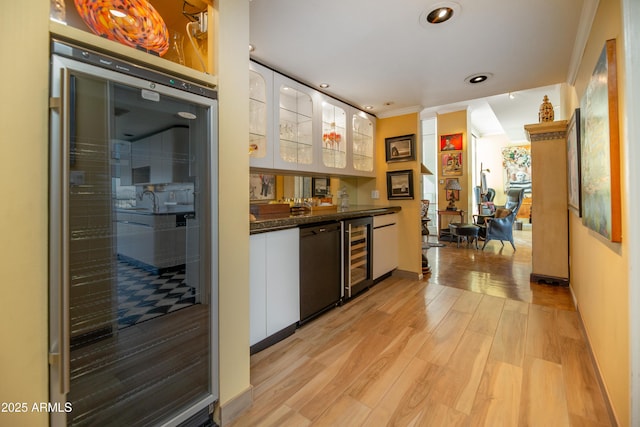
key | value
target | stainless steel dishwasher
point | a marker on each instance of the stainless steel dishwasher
(320, 269)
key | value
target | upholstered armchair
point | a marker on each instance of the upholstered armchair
(500, 226)
(491, 193)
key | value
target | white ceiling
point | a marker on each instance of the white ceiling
(380, 53)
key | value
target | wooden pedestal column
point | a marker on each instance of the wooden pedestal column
(550, 238)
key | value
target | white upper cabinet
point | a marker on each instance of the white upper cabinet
(347, 140)
(363, 143)
(295, 125)
(260, 116)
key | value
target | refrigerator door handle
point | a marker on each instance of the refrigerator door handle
(59, 347)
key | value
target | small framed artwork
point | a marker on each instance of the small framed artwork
(400, 148)
(451, 142)
(400, 184)
(320, 187)
(455, 194)
(573, 163)
(262, 187)
(451, 163)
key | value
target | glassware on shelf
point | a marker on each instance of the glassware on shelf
(58, 11)
(134, 23)
(257, 117)
(362, 143)
(287, 131)
(257, 87)
(332, 138)
(176, 48)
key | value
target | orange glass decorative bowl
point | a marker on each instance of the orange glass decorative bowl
(134, 23)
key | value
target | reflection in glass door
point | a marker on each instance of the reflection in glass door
(133, 293)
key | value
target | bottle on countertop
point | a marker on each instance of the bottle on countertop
(344, 198)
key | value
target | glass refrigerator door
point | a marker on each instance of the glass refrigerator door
(133, 297)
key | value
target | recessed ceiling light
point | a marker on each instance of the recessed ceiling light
(439, 13)
(388, 103)
(478, 78)
(324, 85)
(368, 107)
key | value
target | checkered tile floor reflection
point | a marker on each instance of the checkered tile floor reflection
(143, 295)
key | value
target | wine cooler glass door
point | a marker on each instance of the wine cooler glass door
(133, 303)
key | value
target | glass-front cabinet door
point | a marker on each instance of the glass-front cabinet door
(260, 116)
(294, 127)
(334, 136)
(363, 130)
(294, 118)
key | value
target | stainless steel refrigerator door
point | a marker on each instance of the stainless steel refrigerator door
(133, 341)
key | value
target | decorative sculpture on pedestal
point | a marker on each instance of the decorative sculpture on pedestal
(546, 111)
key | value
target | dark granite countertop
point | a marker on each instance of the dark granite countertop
(272, 222)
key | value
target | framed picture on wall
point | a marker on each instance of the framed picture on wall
(451, 163)
(573, 163)
(600, 149)
(451, 142)
(262, 187)
(320, 187)
(400, 184)
(400, 148)
(455, 194)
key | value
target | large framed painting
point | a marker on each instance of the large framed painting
(600, 149)
(573, 163)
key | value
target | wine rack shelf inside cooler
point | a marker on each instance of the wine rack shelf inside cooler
(358, 250)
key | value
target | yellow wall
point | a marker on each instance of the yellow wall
(599, 268)
(410, 238)
(23, 252)
(453, 123)
(233, 78)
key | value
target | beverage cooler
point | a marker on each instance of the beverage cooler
(357, 252)
(132, 300)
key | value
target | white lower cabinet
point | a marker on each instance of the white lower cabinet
(274, 276)
(385, 244)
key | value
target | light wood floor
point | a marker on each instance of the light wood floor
(473, 344)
